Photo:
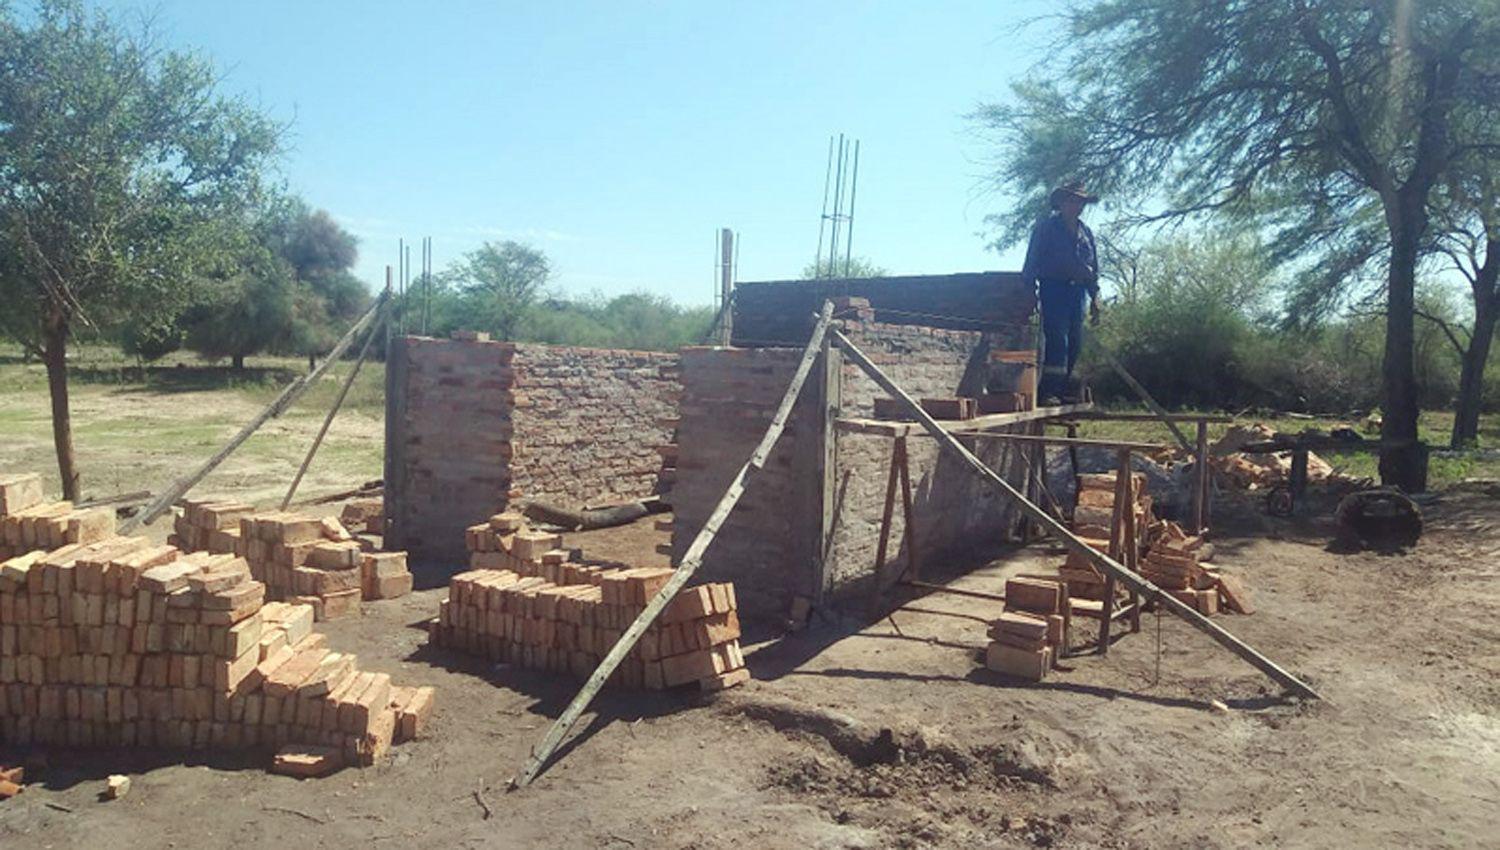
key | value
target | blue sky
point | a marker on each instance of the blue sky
(618, 137)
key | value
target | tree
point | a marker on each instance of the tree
(1469, 219)
(495, 284)
(119, 168)
(1200, 108)
(851, 268)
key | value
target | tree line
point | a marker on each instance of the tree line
(1361, 137)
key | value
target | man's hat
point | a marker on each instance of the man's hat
(1073, 190)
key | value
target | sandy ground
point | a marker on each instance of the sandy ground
(887, 732)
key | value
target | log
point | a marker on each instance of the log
(592, 518)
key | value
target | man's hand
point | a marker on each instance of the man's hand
(1094, 312)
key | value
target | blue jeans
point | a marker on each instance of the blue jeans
(1062, 334)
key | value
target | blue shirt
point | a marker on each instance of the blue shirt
(1055, 254)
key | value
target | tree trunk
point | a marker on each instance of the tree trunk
(1403, 461)
(55, 355)
(1471, 379)
(312, 361)
(237, 362)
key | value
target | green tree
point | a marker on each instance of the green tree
(1351, 105)
(494, 285)
(122, 173)
(853, 267)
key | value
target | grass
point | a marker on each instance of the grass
(1445, 468)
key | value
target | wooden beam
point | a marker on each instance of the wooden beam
(1201, 481)
(1122, 416)
(1063, 441)
(691, 560)
(887, 428)
(275, 408)
(1106, 564)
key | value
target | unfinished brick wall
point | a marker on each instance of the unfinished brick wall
(767, 546)
(472, 423)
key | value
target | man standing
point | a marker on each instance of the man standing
(1062, 264)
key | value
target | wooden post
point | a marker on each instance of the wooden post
(275, 408)
(889, 513)
(726, 284)
(908, 515)
(1119, 544)
(1201, 481)
(364, 352)
(830, 406)
(1105, 564)
(691, 560)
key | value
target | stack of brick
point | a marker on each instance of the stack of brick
(28, 522)
(1175, 563)
(367, 514)
(1094, 511)
(300, 558)
(540, 624)
(127, 643)
(1031, 633)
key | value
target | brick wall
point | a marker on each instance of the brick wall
(469, 423)
(767, 545)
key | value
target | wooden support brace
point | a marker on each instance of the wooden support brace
(691, 560)
(1107, 565)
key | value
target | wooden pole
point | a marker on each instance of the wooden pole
(690, 563)
(1106, 564)
(275, 408)
(364, 351)
(830, 406)
(1200, 481)
(1161, 414)
(908, 514)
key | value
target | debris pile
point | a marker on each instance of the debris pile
(528, 602)
(127, 643)
(1259, 471)
(1031, 633)
(300, 558)
(29, 522)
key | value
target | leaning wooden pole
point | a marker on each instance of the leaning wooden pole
(364, 352)
(690, 563)
(1150, 401)
(275, 408)
(1109, 566)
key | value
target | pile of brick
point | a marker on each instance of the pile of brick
(299, 558)
(1032, 632)
(367, 514)
(528, 602)
(127, 643)
(28, 521)
(1094, 511)
(1175, 563)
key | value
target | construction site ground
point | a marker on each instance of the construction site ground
(882, 732)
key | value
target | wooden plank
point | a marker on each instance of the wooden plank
(1106, 564)
(830, 405)
(691, 560)
(889, 512)
(275, 408)
(908, 515)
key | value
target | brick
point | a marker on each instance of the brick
(1014, 661)
(1025, 625)
(19, 492)
(1035, 595)
(392, 587)
(306, 762)
(411, 716)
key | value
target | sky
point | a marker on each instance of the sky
(618, 137)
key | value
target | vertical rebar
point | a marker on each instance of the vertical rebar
(849, 237)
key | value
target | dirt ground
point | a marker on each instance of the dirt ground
(888, 732)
